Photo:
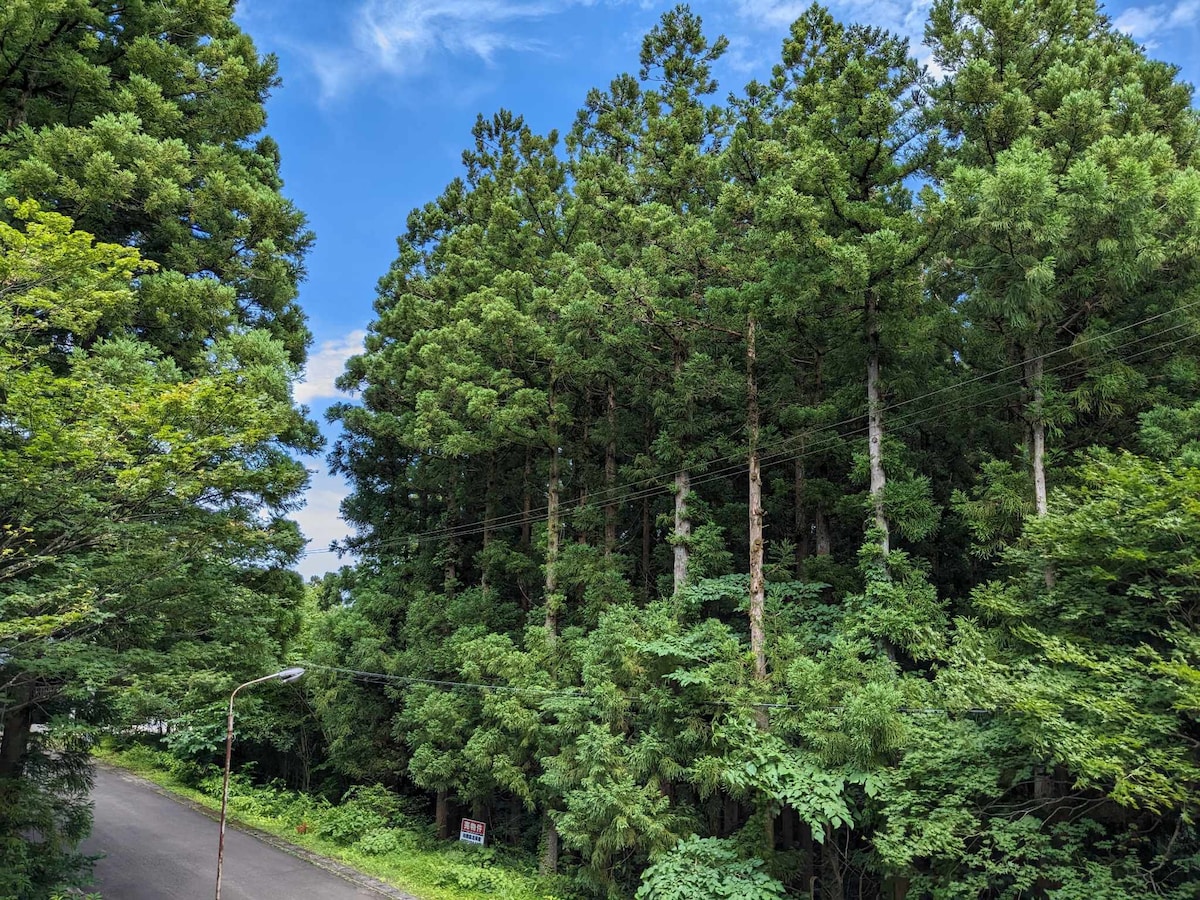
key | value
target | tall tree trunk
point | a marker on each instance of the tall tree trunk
(647, 575)
(441, 814)
(835, 888)
(1037, 428)
(1034, 371)
(683, 529)
(583, 536)
(875, 422)
(821, 528)
(549, 865)
(306, 760)
(758, 588)
(610, 475)
(683, 487)
(527, 500)
(450, 574)
(14, 740)
(808, 868)
(732, 816)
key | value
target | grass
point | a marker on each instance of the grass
(357, 833)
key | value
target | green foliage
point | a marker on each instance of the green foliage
(149, 336)
(996, 507)
(699, 868)
(1000, 703)
(973, 669)
(362, 811)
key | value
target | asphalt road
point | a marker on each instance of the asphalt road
(158, 849)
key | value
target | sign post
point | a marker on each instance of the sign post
(472, 832)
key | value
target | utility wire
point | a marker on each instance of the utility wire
(914, 421)
(384, 678)
(83, 628)
(500, 522)
(475, 528)
(600, 496)
(769, 458)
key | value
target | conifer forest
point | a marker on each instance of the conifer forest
(788, 490)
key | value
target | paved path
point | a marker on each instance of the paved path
(157, 848)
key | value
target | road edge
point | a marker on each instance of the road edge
(332, 866)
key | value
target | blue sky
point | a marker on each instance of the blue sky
(379, 97)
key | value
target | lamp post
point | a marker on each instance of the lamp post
(286, 676)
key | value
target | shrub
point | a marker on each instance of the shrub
(707, 869)
(383, 841)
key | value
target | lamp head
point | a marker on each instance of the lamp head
(287, 676)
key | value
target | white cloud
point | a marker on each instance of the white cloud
(321, 522)
(1145, 23)
(399, 37)
(904, 17)
(326, 365)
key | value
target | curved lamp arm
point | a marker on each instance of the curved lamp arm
(286, 676)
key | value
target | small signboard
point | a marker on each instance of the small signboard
(472, 832)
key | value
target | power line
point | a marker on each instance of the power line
(478, 527)
(378, 677)
(383, 678)
(600, 497)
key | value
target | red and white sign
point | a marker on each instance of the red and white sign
(472, 832)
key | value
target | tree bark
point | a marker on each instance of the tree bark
(647, 576)
(732, 816)
(821, 529)
(683, 529)
(808, 869)
(527, 500)
(450, 575)
(489, 513)
(757, 580)
(834, 886)
(441, 814)
(875, 422)
(683, 486)
(1037, 427)
(549, 865)
(14, 740)
(582, 535)
(1034, 371)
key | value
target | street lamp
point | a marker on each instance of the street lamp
(286, 676)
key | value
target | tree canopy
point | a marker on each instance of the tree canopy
(149, 337)
(803, 475)
(788, 493)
